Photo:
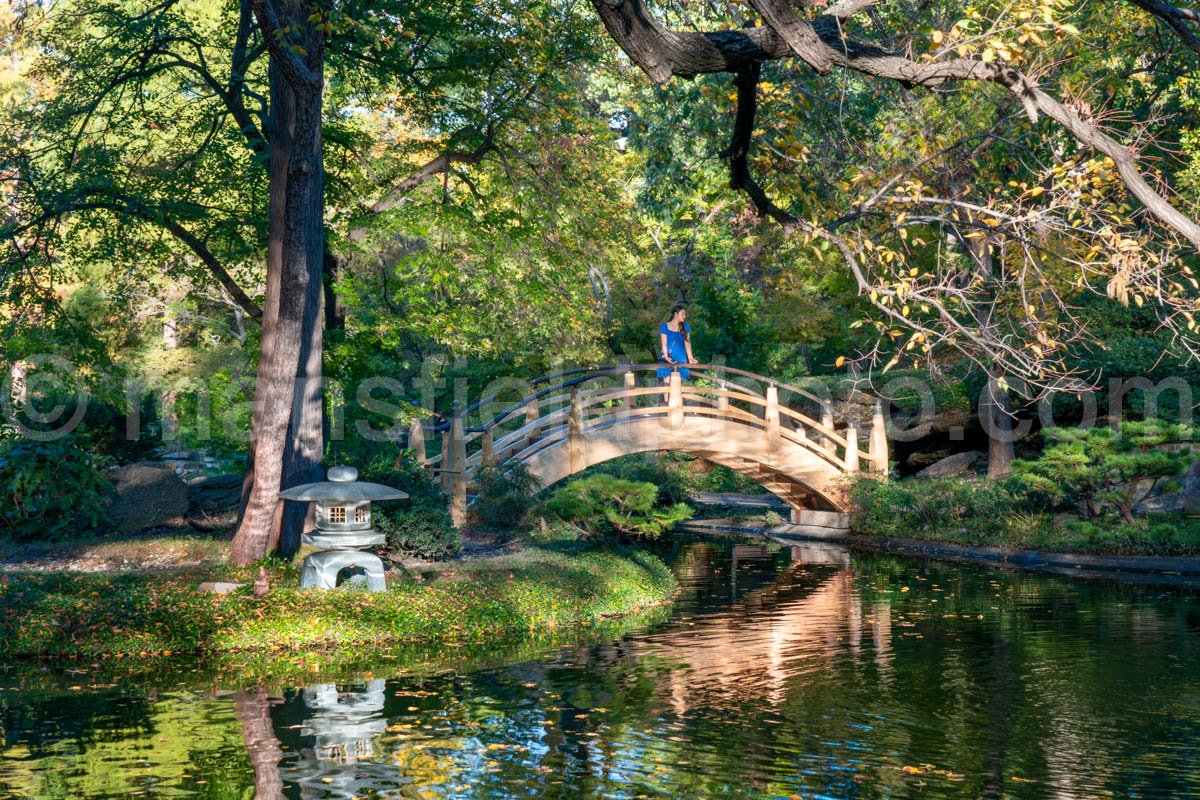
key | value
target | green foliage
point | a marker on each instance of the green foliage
(676, 475)
(609, 507)
(978, 510)
(383, 462)
(505, 495)
(554, 530)
(420, 532)
(1099, 467)
(49, 490)
(1011, 513)
(660, 469)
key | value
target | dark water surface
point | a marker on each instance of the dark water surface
(782, 672)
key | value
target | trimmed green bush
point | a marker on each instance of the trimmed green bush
(1097, 468)
(1008, 513)
(423, 532)
(605, 506)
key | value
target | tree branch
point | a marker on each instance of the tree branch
(844, 9)
(132, 208)
(294, 69)
(795, 30)
(433, 168)
(737, 155)
(1176, 19)
(662, 53)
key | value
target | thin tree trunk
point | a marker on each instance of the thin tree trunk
(1000, 427)
(995, 405)
(335, 315)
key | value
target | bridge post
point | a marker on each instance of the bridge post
(445, 473)
(630, 384)
(771, 418)
(877, 445)
(852, 448)
(486, 455)
(575, 431)
(531, 416)
(457, 470)
(827, 423)
(723, 400)
(416, 441)
(675, 399)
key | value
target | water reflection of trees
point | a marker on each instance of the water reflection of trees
(833, 678)
(782, 672)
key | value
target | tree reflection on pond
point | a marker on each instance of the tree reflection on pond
(782, 671)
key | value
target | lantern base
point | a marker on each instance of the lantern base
(321, 569)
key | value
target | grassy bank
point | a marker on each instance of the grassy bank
(149, 614)
(977, 512)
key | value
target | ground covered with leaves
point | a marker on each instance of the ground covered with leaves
(144, 614)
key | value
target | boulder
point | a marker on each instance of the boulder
(148, 494)
(923, 458)
(942, 421)
(1160, 503)
(956, 464)
(1190, 489)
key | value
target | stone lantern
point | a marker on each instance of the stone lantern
(343, 512)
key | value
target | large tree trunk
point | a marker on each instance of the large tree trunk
(285, 445)
(306, 432)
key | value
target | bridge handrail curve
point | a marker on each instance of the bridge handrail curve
(583, 375)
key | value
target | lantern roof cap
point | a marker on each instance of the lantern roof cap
(342, 484)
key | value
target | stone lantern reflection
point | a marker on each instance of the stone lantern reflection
(337, 753)
(343, 520)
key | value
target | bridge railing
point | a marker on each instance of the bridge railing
(574, 403)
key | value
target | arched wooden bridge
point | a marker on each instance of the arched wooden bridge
(796, 448)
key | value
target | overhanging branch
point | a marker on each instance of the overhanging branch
(174, 227)
(1179, 20)
(663, 53)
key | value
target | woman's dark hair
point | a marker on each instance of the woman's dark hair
(675, 309)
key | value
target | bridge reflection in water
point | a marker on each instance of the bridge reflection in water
(746, 632)
(794, 671)
(808, 616)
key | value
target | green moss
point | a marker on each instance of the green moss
(142, 614)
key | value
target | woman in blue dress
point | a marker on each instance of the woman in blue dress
(675, 343)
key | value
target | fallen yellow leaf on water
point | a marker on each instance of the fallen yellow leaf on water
(912, 770)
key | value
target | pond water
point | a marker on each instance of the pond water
(781, 672)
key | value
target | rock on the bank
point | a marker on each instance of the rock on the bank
(220, 587)
(956, 464)
(148, 494)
